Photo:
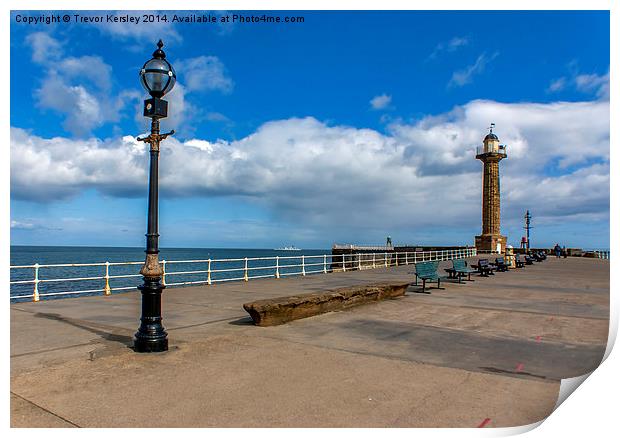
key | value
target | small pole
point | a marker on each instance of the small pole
(324, 264)
(245, 269)
(359, 262)
(303, 265)
(35, 295)
(396, 259)
(106, 289)
(344, 268)
(373, 260)
(163, 273)
(209, 271)
(277, 266)
(406, 258)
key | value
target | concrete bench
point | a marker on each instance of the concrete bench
(276, 311)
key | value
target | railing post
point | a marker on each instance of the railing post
(359, 262)
(385, 259)
(277, 266)
(35, 294)
(324, 263)
(106, 289)
(303, 265)
(163, 272)
(396, 259)
(245, 269)
(374, 265)
(209, 271)
(344, 268)
(406, 258)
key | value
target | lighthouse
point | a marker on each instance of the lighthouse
(491, 153)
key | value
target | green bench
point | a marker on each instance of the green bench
(459, 269)
(518, 262)
(427, 271)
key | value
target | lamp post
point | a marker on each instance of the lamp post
(158, 78)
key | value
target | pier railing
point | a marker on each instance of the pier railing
(40, 281)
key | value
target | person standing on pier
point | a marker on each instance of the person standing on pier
(557, 250)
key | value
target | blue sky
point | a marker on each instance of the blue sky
(344, 128)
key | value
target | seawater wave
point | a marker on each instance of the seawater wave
(48, 255)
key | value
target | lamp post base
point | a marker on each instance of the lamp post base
(151, 336)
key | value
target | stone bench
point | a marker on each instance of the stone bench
(276, 311)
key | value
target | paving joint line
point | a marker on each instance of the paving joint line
(47, 410)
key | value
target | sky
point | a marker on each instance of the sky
(344, 128)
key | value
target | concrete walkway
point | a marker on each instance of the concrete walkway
(494, 348)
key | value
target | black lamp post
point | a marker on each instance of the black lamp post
(158, 78)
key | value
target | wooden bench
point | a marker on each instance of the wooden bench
(484, 268)
(427, 271)
(500, 265)
(459, 269)
(276, 311)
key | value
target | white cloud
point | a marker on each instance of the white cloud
(450, 46)
(593, 83)
(82, 109)
(321, 176)
(465, 75)
(57, 168)
(44, 47)
(22, 225)
(557, 85)
(91, 68)
(205, 73)
(380, 102)
(80, 88)
(214, 116)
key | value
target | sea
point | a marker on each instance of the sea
(48, 255)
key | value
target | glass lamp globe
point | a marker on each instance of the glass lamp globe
(157, 75)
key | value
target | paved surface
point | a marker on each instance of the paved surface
(494, 348)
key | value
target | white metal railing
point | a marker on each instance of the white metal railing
(209, 271)
(602, 254)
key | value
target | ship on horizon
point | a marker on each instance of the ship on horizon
(288, 248)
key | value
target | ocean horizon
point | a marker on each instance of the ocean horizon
(26, 255)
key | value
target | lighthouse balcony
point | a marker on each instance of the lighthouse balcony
(498, 151)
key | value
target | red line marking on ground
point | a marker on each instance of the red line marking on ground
(538, 338)
(484, 422)
(519, 367)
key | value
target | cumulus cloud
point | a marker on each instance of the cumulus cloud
(80, 88)
(44, 47)
(45, 170)
(466, 75)
(205, 73)
(318, 175)
(380, 102)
